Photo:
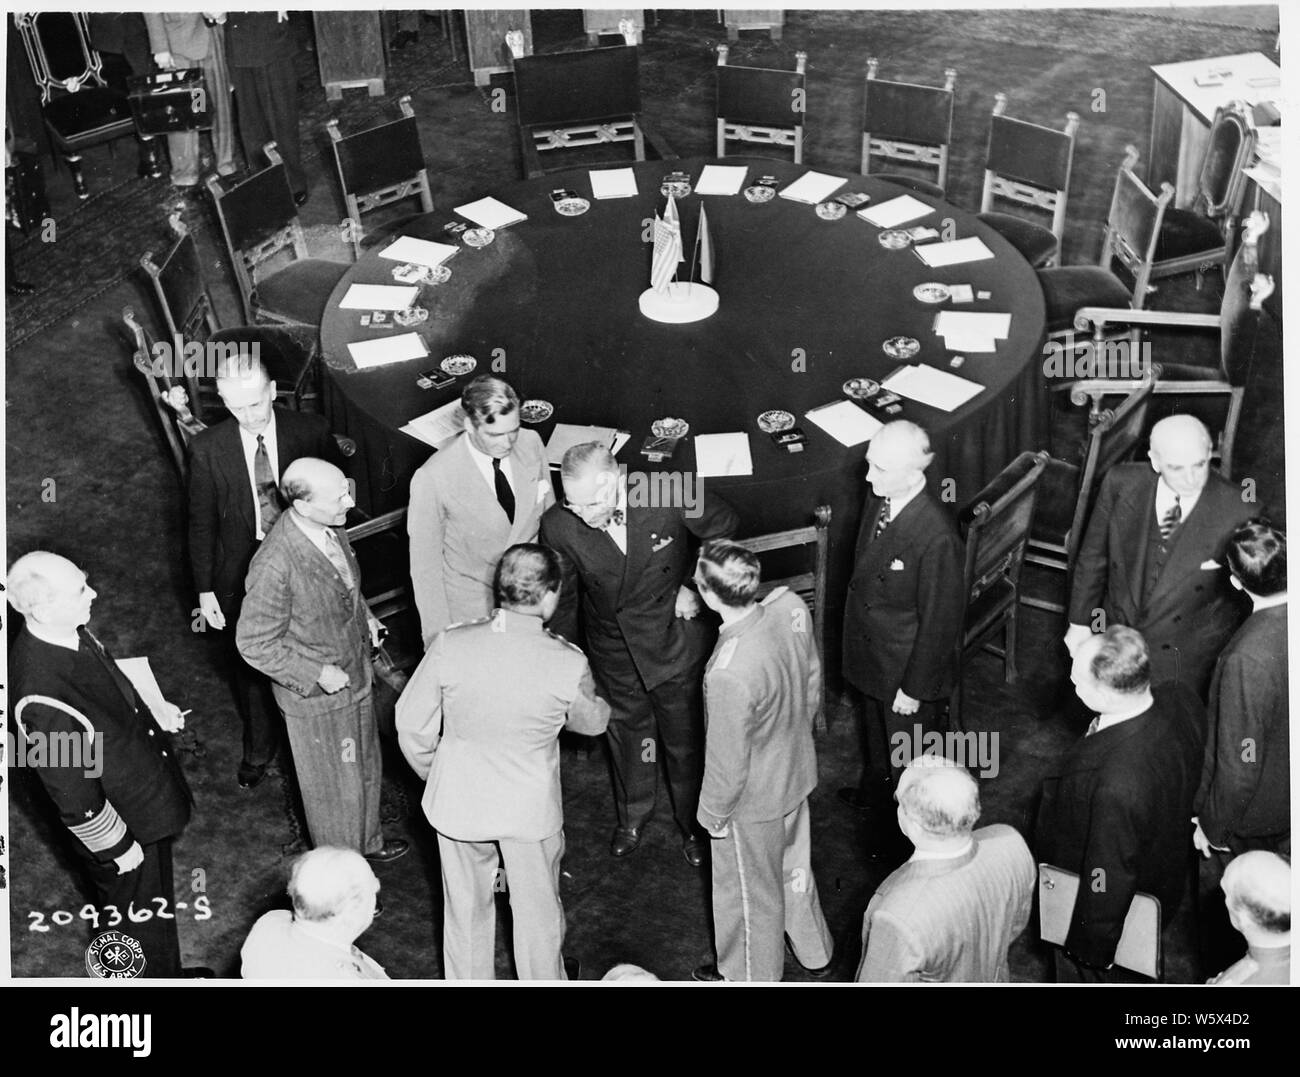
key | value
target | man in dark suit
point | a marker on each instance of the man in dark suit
(629, 561)
(903, 612)
(1152, 557)
(762, 690)
(120, 790)
(1114, 810)
(1244, 801)
(260, 53)
(235, 468)
(305, 625)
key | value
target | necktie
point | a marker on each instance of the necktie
(1092, 726)
(505, 495)
(337, 558)
(268, 498)
(882, 521)
(1172, 519)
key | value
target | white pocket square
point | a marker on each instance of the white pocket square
(895, 565)
(665, 541)
(1210, 566)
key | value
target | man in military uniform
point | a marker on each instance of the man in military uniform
(480, 722)
(762, 690)
(128, 798)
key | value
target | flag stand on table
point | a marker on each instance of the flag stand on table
(668, 299)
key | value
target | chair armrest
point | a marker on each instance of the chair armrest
(660, 144)
(1099, 317)
(346, 445)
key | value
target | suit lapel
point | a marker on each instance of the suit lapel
(638, 522)
(1140, 505)
(897, 538)
(235, 468)
(472, 491)
(1189, 540)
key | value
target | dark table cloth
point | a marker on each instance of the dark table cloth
(551, 305)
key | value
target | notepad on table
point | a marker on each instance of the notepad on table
(972, 331)
(420, 252)
(613, 183)
(970, 249)
(721, 179)
(566, 435)
(491, 213)
(935, 388)
(438, 427)
(379, 297)
(845, 422)
(896, 211)
(720, 455)
(813, 187)
(384, 350)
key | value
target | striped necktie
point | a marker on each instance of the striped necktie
(338, 559)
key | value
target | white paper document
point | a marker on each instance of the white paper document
(421, 252)
(140, 674)
(438, 427)
(936, 388)
(970, 249)
(972, 331)
(379, 297)
(845, 422)
(566, 435)
(813, 187)
(613, 183)
(721, 179)
(491, 213)
(718, 455)
(384, 350)
(896, 211)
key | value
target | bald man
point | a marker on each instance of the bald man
(903, 612)
(1257, 886)
(305, 625)
(1153, 556)
(118, 787)
(235, 469)
(951, 913)
(335, 899)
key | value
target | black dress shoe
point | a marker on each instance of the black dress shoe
(198, 972)
(625, 840)
(393, 848)
(823, 973)
(708, 974)
(693, 851)
(572, 969)
(249, 775)
(300, 199)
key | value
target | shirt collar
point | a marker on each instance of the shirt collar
(45, 635)
(1105, 721)
(735, 628)
(1267, 602)
(267, 435)
(310, 528)
(934, 854)
(898, 504)
(1165, 495)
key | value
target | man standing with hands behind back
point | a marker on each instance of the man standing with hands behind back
(903, 613)
(234, 499)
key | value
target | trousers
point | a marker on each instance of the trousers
(183, 146)
(135, 892)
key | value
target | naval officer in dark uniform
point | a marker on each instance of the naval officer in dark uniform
(126, 798)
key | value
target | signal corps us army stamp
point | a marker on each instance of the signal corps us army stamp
(113, 955)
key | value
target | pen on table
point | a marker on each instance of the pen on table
(184, 713)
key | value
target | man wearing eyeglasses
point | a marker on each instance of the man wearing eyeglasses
(630, 562)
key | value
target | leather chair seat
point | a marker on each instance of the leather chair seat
(1068, 288)
(93, 112)
(1036, 243)
(1184, 233)
(300, 290)
(1058, 494)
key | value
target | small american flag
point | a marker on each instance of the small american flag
(667, 251)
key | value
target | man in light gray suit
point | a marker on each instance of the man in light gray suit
(305, 625)
(951, 912)
(480, 722)
(484, 492)
(185, 39)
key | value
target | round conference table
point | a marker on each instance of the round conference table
(805, 303)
